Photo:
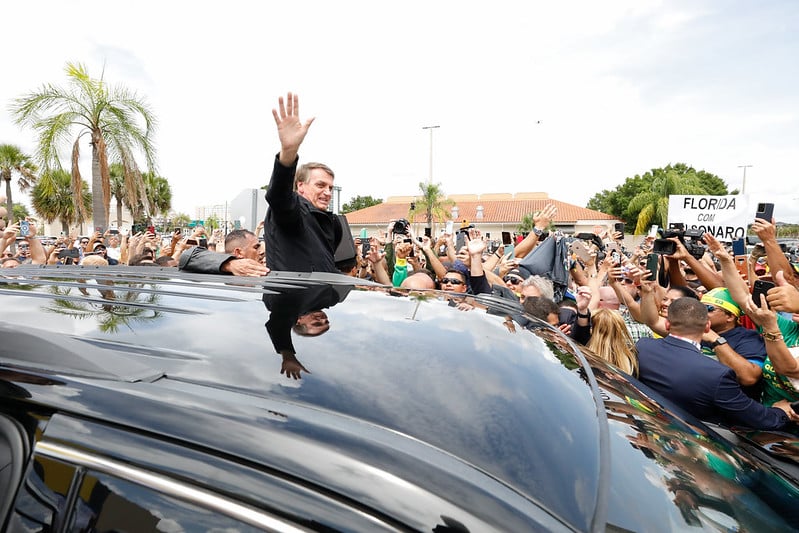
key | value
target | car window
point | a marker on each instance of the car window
(108, 503)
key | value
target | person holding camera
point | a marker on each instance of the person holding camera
(301, 233)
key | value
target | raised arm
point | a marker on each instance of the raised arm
(290, 129)
(541, 222)
(767, 233)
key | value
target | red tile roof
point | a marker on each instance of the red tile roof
(507, 211)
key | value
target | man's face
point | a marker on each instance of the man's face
(113, 240)
(608, 298)
(24, 249)
(718, 317)
(318, 189)
(629, 287)
(251, 248)
(10, 263)
(314, 323)
(530, 291)
(671, 295)
(453, 282)
(83, 243)
(101, 251)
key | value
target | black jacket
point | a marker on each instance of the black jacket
(203, 261)
(299, 237)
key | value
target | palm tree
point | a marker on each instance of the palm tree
(109, 115)
(652, 205)
(118, 190)
(181, 220)
(53, 198)
(159, 194)
(14, 162)
(432, 203)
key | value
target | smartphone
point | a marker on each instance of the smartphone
(619, 226)
(740, 264)
(24, 228)
(113, 231)
(761, 287)
(664, 247)
(449, 228)
(191, 242)
(366, 247)
(652, 264)
(428, 232)
(738, 247)
(151, 229)
(579, 249)
(411, 253)
(765, 211)
(202, 242)
(506, 238)
(653, 231)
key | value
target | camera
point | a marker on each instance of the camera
(690, 238)
(400, 227)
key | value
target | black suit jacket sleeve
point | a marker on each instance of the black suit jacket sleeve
(203, 261)
(740, 409)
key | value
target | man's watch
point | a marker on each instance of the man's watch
(538, 232)
(718, 342)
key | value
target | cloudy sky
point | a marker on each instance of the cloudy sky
(564, 97)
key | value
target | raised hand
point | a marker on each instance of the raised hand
(290, 129)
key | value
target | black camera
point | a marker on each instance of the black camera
(401, 227)
(690, 238)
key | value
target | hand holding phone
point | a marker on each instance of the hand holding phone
(24, 228)
(765, 211)
(761, 287)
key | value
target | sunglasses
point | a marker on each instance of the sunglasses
(512, 280)
(452, 281)
(628, 281)
(711, 308)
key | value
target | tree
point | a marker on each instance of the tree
(432, 203)
(111, 116)
(20, 211)
(118, 190)
(212, 222)
(181, 220)
(360, 202)
(13, 162)
(159, 193)
(52, 198)
(678, 177)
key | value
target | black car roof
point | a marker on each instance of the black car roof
(402, 380)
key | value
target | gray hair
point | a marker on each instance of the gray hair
(543, 284)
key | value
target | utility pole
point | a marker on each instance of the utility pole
(430, 176)
(743, 184)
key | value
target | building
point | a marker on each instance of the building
(490, 213)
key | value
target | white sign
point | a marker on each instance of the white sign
(724, 217)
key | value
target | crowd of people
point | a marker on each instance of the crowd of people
(684, 322)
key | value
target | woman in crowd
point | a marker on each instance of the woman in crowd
(611, 341)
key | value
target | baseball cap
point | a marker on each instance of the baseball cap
(720, 297)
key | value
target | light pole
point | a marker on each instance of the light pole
(430, 176)
(743, 183)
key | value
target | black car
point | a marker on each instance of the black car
(146, 399)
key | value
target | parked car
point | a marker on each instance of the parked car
(146, 399)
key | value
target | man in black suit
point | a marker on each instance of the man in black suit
(675, 367)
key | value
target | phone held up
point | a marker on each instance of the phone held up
(738, 247)
(765, 211)
(652, 263)
(24, 228)
(761, 287)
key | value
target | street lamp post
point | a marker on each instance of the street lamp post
(743, 183)
(430, 175)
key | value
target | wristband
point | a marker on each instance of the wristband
(772, 336)
(587, 315)
(401, 262)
